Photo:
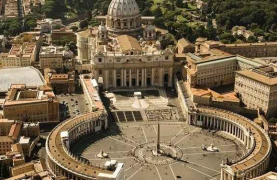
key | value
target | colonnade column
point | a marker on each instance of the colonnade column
(114, 78)
(96, 75)
(106, 79)
(130, 78)
(128, 24)
(153, 77)
(170, 77)
(125, 77)
(145, 77)
(161, 76)
(142, 77)
(137, 82)
(122, 78)
(121, 24)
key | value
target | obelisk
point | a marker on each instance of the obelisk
(158, 139)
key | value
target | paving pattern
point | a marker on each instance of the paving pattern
(195, 163)
(162, 115)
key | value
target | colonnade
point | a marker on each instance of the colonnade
(135, 77)
(231, 127)
(132, 23)
(76, 128)
(256, 141)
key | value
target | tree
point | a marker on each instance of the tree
(272, 37)
(185, 5)
(146, 12)
(14, 27)
(211, 33)
(4, 172)
(83, 24)
(227, 38)
(252, 39)
(158, 12)
(48, 7)
(273, 27)
(272, 120)
(30, 22)
(57, 26)
(179, 3)
(74, 28)
(94, 22)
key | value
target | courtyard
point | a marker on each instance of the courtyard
(153, 104)
(125, 142)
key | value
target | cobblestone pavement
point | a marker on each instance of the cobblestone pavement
(195, 164)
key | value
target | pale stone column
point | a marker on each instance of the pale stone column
(125, 77)
(222, 174)
(137, 80)
(170, 77)
(249, 142)
(145, 77)
(128, 24)
(142, 77)
(214, 124)
(245, 140)
(153, 77)
(96, 75)
(106, 79)
(114, 23)
(130, 78)
(161, 76)
(122, 24)
(134, 23)
(122, 78)
(114, 78)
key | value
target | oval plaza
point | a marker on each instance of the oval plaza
(128, 61)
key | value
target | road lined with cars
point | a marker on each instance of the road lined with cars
(73, 105)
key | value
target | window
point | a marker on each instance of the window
(99, 59)
(166, 58)
(100, 72)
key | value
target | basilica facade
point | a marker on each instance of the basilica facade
(125, 51)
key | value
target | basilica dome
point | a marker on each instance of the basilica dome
(123, 8)
(123, 16)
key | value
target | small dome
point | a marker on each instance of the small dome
(67, 53)
(149, 27)
(102, 28)
(123, 8)
(158, 43)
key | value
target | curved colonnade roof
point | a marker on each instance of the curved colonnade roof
(62, 157)
(262, 146)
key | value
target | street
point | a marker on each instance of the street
(76, 103)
